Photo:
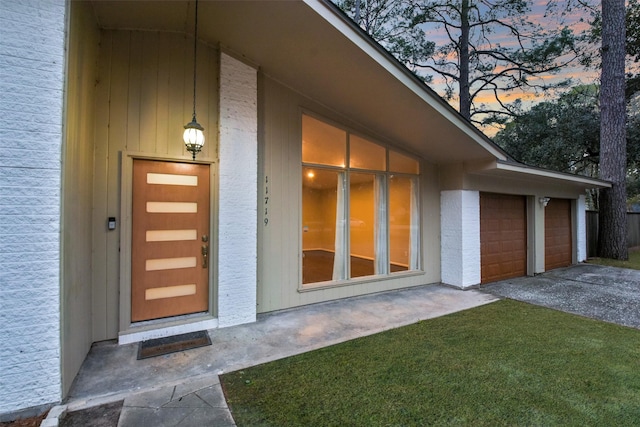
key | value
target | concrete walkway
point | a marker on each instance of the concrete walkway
(182, 389)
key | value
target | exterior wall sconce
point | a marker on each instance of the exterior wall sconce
(544, 201)
(193, 135)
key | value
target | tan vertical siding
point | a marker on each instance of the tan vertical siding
(99, 265)
(279, 241)
(148, 91)
(144, 96)
(77, 191)
(117, 141)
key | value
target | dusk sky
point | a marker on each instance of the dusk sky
(576, 19)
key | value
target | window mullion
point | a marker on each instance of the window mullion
(381, 234)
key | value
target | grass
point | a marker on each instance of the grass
(634, 260)
(505, 363)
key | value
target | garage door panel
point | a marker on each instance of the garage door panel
(494, 248)
(503, 236)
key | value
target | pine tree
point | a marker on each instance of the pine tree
(612, 234)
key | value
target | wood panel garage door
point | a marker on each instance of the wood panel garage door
(557, 234)
(503, 236)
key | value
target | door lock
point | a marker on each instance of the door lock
(205, 256)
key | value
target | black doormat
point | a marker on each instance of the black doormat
(162, 346)
(106, 415)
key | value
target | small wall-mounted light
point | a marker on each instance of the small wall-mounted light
(544, 201)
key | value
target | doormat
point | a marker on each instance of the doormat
(167, 345)
(96, 416)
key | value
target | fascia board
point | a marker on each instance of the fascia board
(544, 173)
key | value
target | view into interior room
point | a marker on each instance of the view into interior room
(347, 176)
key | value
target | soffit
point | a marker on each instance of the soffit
(291, 43)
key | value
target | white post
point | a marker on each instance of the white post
(581, 229)
(238, 192)
(460, 237)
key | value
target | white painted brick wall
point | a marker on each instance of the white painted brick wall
(460, 237)
(32, 54)
(237, 217)
(581, 228)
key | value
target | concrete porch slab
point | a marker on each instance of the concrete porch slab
(149, 386)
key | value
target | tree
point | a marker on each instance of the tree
(633, 29)
(561, 134)
(472, 60)
(612, 234)
(389, 23)
(632, 26)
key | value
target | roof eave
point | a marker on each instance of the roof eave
(336, 17)
(517, 170)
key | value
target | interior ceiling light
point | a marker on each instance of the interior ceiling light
(193, 135)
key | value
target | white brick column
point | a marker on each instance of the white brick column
(32, 60)
(460, 237)
(238, 192)
(581, 229)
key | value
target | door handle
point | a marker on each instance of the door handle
(205, 256)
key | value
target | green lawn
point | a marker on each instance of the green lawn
(634, 260)
(505, 363)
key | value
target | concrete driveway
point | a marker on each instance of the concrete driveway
(604, 293)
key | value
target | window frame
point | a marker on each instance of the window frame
(348, 170)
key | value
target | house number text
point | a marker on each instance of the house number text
(266, 200)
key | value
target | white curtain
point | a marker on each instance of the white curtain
(381, 262)
(340, 256)
(414, 249)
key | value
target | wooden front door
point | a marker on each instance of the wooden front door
(170, 253)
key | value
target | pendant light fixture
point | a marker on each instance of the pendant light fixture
(193, 136)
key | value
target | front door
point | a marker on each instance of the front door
(170, 239)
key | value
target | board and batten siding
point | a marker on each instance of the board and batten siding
(144, 96)
(279, 238)
(77, 190)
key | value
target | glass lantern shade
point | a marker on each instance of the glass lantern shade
(193, 137)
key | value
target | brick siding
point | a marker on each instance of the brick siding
(460, 237)
(32, 61)
(237, 238)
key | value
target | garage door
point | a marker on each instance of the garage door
(557, 234)
(503, 236)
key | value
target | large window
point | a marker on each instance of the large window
(360, 211)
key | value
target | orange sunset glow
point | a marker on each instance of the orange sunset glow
(576, 19)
